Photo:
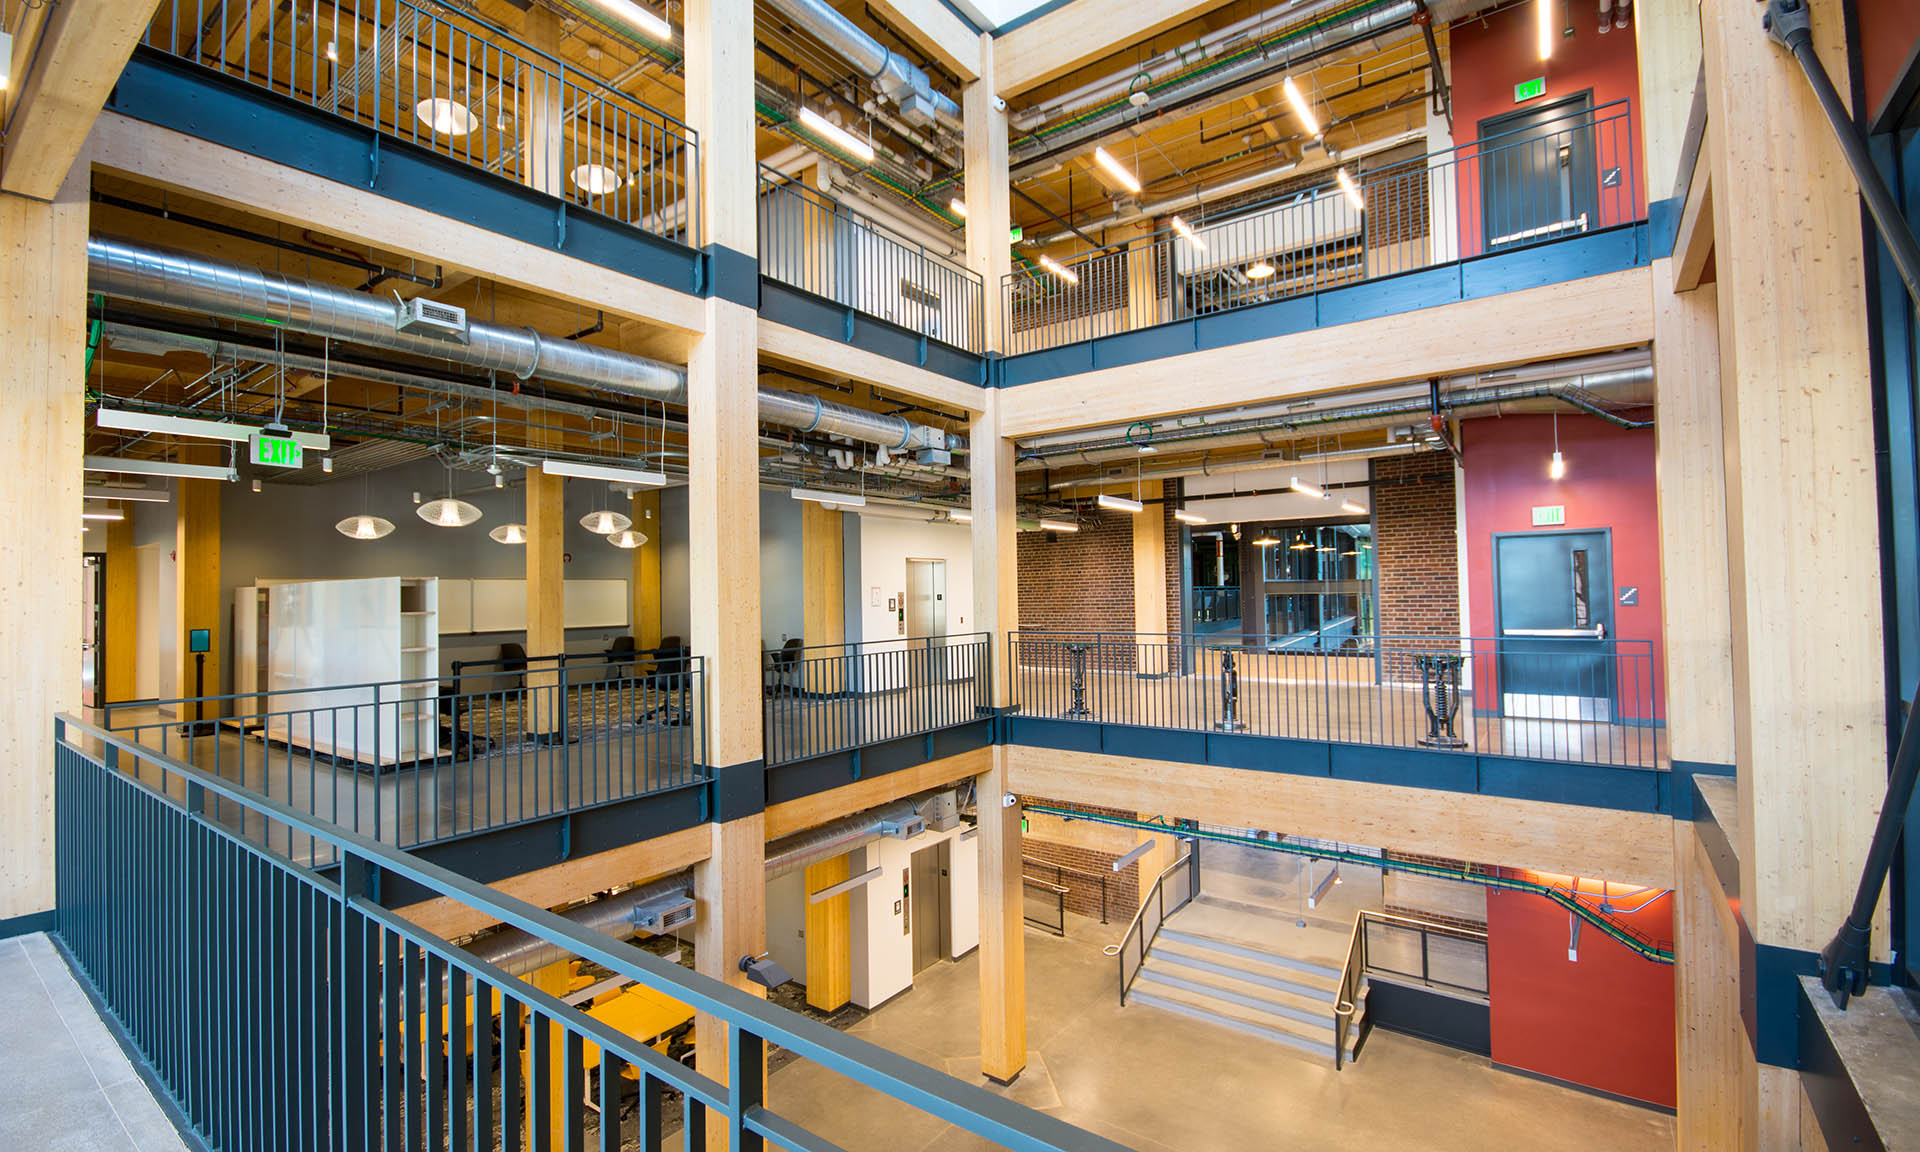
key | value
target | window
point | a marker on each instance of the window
(1318, 587)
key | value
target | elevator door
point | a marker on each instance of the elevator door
(926, 620)
(1554, 610)
(928, 889)
(93, 628)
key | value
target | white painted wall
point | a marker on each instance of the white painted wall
(882, 948)
(963, 900)
(884, 547)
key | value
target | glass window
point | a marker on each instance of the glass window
(1317, 586)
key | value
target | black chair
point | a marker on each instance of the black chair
(782, 663)
(513, 662)
(622, 656)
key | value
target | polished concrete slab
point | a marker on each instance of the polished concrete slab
(64, 1081)
(1165, 1083)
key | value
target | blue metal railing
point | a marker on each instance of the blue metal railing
(1592, 703)
(834, 697)
(413, 762)
(820, 246)
(284, 1008)
(445, 80)
(1572, 175)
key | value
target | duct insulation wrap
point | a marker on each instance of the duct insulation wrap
(903, 82)
(518, 953)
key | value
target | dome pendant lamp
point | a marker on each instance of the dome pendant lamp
(449, 511)
(365, 526)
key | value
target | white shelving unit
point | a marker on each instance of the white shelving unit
(358, 661)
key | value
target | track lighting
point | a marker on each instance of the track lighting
(1186, 233)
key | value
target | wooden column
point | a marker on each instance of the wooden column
(829, 938)
(1809, 698)
(1715, 1073)
(122, 610)
(1150, 582)
(996, 605)
(1666, 37)
(989, 201)
(546, 594)
(43, 280)
(543, 113)
(552, 979)
(731, 887)
(823, 592)
(1143, 285)
(646, 570)
(196, 585)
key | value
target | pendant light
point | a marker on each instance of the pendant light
(605, 521)
(1557, 467)
(365, 526)
(626, 538)
(449, 511)
(509, 534)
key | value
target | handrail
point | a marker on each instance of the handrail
(1359, 964)
(1155, 898)
(1036, 882)
(967, 1106)
(953, 640)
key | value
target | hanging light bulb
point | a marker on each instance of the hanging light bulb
(626, 538)
(1558, 468)
(606, 522)
(510, 534)
(364, 527)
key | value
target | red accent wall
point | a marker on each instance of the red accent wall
(1604, 1021)
(1889, 31)
(1492, 54)
(1609, 484)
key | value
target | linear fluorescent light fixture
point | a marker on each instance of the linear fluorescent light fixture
(821, 496)
(136, 495)
(639, 18)
(1303, 109)
(960, 517)
(1058, 526)
(1059, 269)
(1186, 517)
(159, 468)
(1544, 10)
(1350, 506)
(1119, 503)
(1186, 233)
(860, 881)
(835, 134)
(1116, 169)
(110, 515)
(1351, 189)
(1306, 489)
(958, 207)
(602, 472)
(126, 420)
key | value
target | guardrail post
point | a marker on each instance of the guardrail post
(1440, 693)
(1077, 661)
(1229, 694)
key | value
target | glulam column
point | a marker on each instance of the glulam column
(989, 202)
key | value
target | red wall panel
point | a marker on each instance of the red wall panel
(1492, 54)
(1609, 484)
(1889, 30)
(1604, 1021)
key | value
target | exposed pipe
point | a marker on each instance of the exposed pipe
(901, 81)
(180, 280)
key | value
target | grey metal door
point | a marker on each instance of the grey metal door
(1537, 178)
(93, 629)
(1554, 612)
(927, 620)
(928, 889)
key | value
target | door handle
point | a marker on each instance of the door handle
(1597, 632)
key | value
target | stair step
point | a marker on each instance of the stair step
(1331, 977)
(1318, 1017)
(1198, 966)
(1320, 1048)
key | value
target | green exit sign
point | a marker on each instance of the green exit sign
(276, 451)
(1014, 234)
(1529, 89)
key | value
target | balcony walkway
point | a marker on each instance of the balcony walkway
(65, 1083)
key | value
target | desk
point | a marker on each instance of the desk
(641, 1013)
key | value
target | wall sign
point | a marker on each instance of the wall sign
(1547, 515)
(1629, 594)
(1529, 89)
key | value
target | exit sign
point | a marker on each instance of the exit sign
(1015, 233)
(1529, 89)
(276, 451)
(1546, 515)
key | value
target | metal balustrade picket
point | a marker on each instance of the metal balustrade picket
(835, 697)
(1382, 690)
(1481, 197)
(283, 1007)
(446, 80)
(417, 761)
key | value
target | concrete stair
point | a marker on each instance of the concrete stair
(1243, 986)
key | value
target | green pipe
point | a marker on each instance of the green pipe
(1613, 931)
(93, 339)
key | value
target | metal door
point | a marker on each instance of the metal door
(928, 891)
(927, 619)
(93, 627)
(1537, 179)
(1554, 613)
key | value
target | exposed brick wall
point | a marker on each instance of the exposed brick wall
(1081, 872)
(1078, 581)
(1415, 547)
(1176, 555)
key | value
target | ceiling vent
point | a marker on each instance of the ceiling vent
(433, 319)
(902, 829)
(664, 914)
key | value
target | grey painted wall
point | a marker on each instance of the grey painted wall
(781, 612)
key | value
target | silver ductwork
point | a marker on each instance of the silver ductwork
(902, 82)
(835, 838)
(519, 953)
(1309, 44)
(172, 279)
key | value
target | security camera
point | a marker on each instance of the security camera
(1009, 800)
(999, 104)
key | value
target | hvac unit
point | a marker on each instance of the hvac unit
(663, 914)
(942, 812)
(902, 829)
(433, 319)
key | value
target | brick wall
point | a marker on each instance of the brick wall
(1176, 554)
(1081, 869)
(1079, 581)
(1415, 547)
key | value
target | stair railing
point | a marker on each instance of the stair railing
(1172, 890)
(1352, 975)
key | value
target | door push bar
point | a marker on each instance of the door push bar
(1597, 632)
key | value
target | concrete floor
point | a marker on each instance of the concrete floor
(1155, 1081)
(64, 1081)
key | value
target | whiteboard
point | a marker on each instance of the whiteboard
(501, 605)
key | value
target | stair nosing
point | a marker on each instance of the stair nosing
(1319, 1048)
(1251, 952)
(1309, 992)
(1320, 1019)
